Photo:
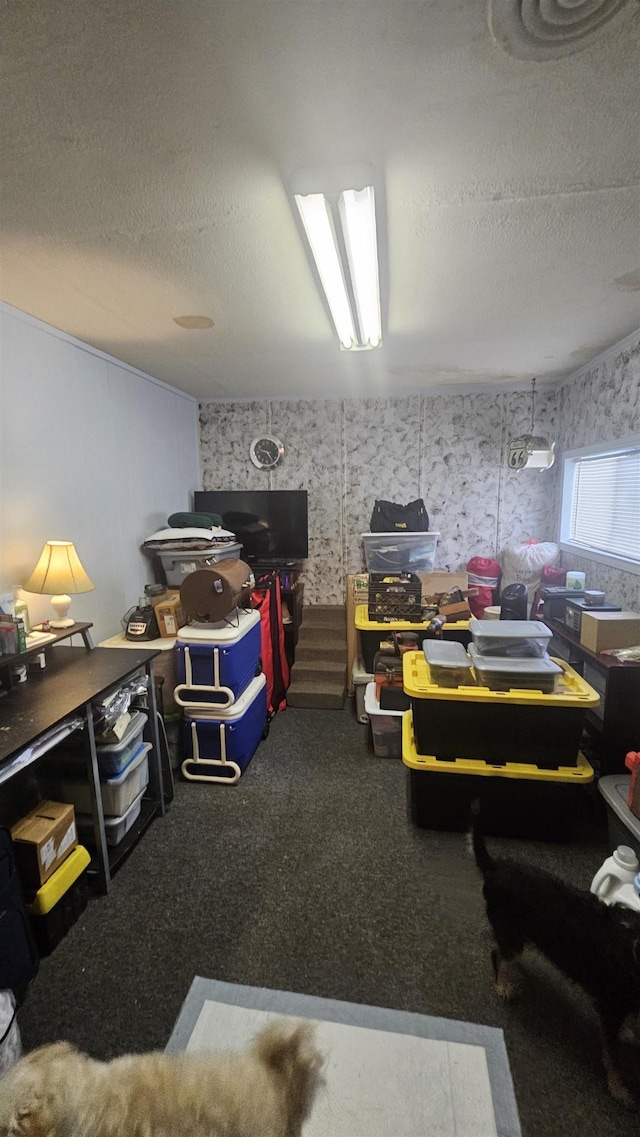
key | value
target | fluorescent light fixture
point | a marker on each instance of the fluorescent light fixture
(352, 289)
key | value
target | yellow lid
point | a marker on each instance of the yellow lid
(581, 773)
(364, 624)
(572, 689)
(56, 886)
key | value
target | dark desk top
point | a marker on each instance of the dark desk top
(57, 634)
(604, 661)
(73, 677)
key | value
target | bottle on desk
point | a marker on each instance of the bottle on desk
(21, 610)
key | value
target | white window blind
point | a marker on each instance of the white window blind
(605, 506)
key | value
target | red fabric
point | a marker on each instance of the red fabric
(260, 601)
(266, 598)
(484, 574)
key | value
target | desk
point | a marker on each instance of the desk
(73, 677)
(56, 634)
(615, 720)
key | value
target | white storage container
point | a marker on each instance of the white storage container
(117, 793)
(115, 828)
(177, 565)
(510, 639)
(386, 726)
(400, 552)
(360, 679)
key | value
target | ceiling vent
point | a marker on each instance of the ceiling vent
(549, 29)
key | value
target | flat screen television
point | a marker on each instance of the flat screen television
(272, 525)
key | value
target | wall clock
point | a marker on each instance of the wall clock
(266, 452)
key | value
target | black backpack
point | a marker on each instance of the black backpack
(389, 517)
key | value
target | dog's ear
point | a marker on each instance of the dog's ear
(32, 1120)
(292, 1056)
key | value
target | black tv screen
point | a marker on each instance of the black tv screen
(272, 525)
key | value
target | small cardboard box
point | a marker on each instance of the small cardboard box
(169, 614)
(42, 840)
(601, 630)
(357, 593)
(435, 583)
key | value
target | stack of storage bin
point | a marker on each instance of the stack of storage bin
(124, 777)
(224, 696)
(516, 750)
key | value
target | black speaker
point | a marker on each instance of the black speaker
(513, 602)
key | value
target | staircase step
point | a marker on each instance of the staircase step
(323, 668)
(321, 634)
(321, 695)
(324, 616)
(305, 652)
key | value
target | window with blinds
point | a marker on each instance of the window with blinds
(601, 502)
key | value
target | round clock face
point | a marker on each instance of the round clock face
(266, 452)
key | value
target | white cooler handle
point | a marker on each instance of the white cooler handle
(196, 760)
(189, 685)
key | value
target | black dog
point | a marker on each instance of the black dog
(596, 946)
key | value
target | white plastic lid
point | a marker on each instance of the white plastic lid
(371, 704)
(222, 631)
(445, 653)
(138, 722)
(510, 629)
(626, 857)
(498, 665)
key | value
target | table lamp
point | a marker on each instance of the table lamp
(57, 573)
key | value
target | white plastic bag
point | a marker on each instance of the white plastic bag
(523, 564)
(10, 1044)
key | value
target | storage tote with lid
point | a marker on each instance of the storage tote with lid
(449, 664)
(498, 726)
(215, 662)
(116, 792)
(176, 564)
(218, 744)
(516, 639)
(506, 674)
(400, 552)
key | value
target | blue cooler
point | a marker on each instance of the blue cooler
(215, 662)
(217, 746)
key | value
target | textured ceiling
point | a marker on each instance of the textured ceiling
(148, 146)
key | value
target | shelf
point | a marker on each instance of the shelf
(19, 657)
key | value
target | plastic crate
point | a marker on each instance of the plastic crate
(114, 757)
(510, 639)
(516, 799)
(61, 900)
(115, 828)
(503, 674)
(217, 662)
(400, 552)
(394, 597)
(117, 792)
(498, 726)
(176, 565)
(372, 632)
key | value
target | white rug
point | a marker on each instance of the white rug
(388, 1073)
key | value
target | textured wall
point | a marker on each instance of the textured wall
(603, 405)
(447, 448)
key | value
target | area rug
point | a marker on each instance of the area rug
(387, 1073)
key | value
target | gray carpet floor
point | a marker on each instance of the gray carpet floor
(307, 876)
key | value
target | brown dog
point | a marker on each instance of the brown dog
(268, 1091)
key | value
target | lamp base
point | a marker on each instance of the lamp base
(61, 605)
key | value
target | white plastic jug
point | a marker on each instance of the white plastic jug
(618, 871)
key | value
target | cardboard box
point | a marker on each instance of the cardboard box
(42, 840)
(435, 583)
(601, 630)
(357, 593)
(169, 614)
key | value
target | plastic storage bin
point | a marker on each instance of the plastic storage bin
(177, 565)
(386, 726)
(400, 552)
(498, 726)
(516, 799)
(115, 828)
(515, 674)
(61, 900)
(360, 678)
(449, 665)
(113, 757)
(215, 663)
(117, 792)
(622, 825)
(373, 632)
(218, 748)
(510, 639)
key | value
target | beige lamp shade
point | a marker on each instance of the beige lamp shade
(58, 574)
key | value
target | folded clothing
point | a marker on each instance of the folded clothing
(201, 520)
(191, 537)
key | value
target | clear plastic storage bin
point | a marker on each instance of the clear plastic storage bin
(449, 664)
(515, 639)
(115, 828)
(515, 674)
(117, 793)
(400, 552)
(386, 726)
(113, 757)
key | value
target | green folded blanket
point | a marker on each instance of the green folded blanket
(194, 520)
